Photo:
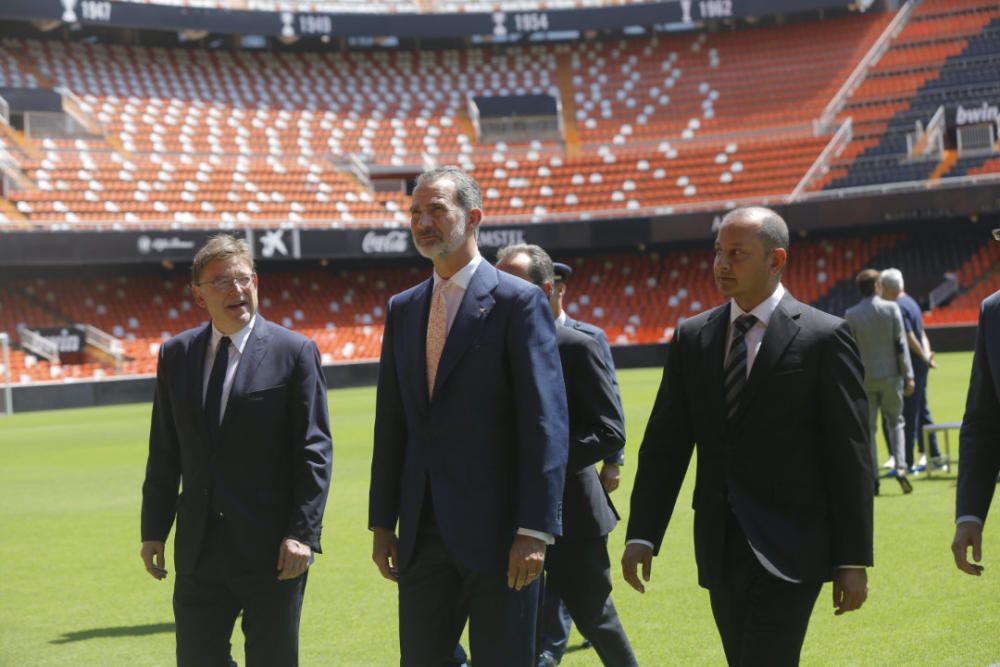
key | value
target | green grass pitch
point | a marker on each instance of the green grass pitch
(73, 590)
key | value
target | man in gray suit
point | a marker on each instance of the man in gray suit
(878, 329)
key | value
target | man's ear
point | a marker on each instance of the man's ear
(547, 287)
(196, 293)
(779, 257)
(473, 218)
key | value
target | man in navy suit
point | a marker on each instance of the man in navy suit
(979, 439)
(240, 417)
(471, 442)
(577, 568)
(771, 392)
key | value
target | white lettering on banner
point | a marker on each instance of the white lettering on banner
(535, 22)
(146, 245)
(686, 11)
(987, 113)
(390, 242)
(65, 341)
(716, 9)
(315, 24)
(498, 238)
(93, 10)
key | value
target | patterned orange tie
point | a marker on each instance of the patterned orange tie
(436, 332)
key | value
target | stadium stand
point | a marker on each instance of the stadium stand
(947, 54)
(182, 135)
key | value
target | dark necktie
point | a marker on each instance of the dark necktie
(736, 364)
(213, 397)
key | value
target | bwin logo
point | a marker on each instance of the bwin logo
(272, 242)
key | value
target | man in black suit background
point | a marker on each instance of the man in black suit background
(577, 566)
(240, 417)
(555, 621)
(771, 392)
(979, 439)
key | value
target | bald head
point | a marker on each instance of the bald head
(771, 228)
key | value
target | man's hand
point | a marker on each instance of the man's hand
(293, 558)
(152, 556)
(968, 534)
(610, 476)
(635, 554)
(930, 360)
(850, 589)
(909, 387)
(385, 553)
(527, 558)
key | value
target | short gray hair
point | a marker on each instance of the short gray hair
(892, 278)
(540, 268)
(467, 193)
(220, 246)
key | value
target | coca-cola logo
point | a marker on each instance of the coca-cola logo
(375, 243)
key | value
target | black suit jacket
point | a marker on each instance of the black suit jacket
(794, 465)
(979, 447)
(596, 430)
(268, 470)
(597, 333)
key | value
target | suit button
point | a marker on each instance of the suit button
(205, 493)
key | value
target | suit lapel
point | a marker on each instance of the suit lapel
(413, 356)
(253, 353)
(781, 331)
(713, 350)
(476, 305)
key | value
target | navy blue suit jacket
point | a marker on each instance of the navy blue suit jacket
(268, 469)
(979, 448)
(597, 333)
(491, 442)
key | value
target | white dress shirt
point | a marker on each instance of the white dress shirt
(237, 343)
(453, 295)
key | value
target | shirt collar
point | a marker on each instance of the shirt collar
(561, 320)
(463, 276)
(763, 310)
(238, 339)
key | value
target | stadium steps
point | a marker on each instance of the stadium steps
(22, 142)
(571, 135)
(948, 160)
(10, 211)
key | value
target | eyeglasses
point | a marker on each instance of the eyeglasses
(223, 283)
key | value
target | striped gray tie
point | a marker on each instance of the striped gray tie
(736, 364)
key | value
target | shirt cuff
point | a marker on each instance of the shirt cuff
(538, 535)
(642, 542)
(968, 518)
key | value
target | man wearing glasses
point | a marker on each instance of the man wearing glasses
(240, 417)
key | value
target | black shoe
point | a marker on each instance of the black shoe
(904, 484)
(586, 644)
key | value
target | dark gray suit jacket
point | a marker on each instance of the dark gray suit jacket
(268, 469)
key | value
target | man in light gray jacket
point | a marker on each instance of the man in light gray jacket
(878, 329)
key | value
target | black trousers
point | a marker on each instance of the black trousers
(207, 602)
(762, 619)
(437, 595)
(579, 571)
